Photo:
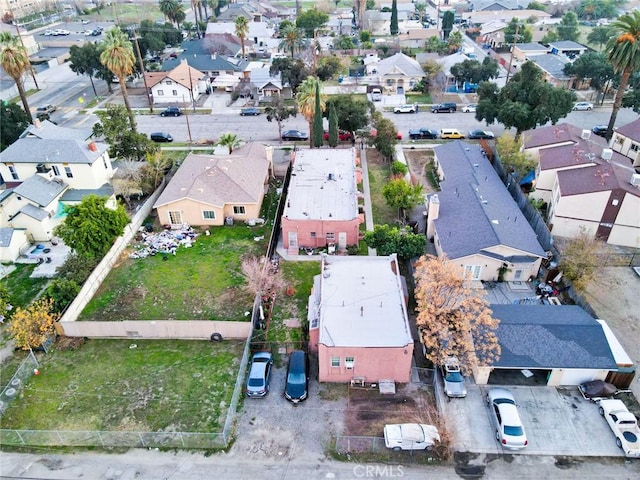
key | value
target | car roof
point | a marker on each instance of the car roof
(496, 393)
(261, 356)
(509, 414)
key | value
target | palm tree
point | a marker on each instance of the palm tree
(242, 27)
(118, 57)
(623, 50)
(292, 39)
(229, 140)
(169, 9)
(15, 61)
(306, 100)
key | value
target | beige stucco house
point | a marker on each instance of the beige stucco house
(209, 190)
(626, 141)
(398, 73)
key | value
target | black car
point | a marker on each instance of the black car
(250, 111)
(600, 130)
(161, 137)
(297, 387)
(444, 107)
(481, 134)
(423, 133)
(171, 112)
(294, 135)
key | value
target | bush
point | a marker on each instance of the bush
(398, 168)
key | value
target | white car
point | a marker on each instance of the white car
(583, 106)
(471, 108)
(410, 436)
(405, 109)
(504, 414)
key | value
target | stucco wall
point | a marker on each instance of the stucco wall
(573, 206)
(192, 212)
(304, 228)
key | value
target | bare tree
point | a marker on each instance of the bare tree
(260, 279)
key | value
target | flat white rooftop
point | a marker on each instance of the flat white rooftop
(323, 185)
(362, 303)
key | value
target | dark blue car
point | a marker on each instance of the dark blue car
(297, 387)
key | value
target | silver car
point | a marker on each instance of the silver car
(259, 373)
(454, 386)
(504, 414)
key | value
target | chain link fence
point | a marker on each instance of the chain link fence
(20, 377)
(357, 444)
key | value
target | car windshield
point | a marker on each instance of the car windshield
(256, 382)
(513, 431)
(498, 401)
(296, 378)
(454, 377)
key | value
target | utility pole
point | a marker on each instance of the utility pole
(315, 35)
(515, 40)
(144, 77)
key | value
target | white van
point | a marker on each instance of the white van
(376, 94)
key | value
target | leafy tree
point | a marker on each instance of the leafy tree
(592, 9)
(579, 262)
(284, 25)
(91, 227)
(292, 71)
(333, 126)
(365, 36)
(523, 35)
(623, 51)
(453, 319)
(76, 268)
(434, 44)
(400, 194)
(62, 292)
(278, 111)
(329, 67)
(85, 60)
(398, 168)
(15, 61)
(13, 121)
(352, 111)
(292, 39)
(525, 102)
(537, 6)
(512, 157)
(568, 28)
(386, 136)
(447, 23)
(123, 143)
(632, 98)
(595, 67)
(599, 36)
(475, 72)
(387, 239)
(394, 18)
(550, 37)
(118, 57)
(229, 140)
(343, 42)
(311, 20)
(33, 325)
(455, 41)
(242, 27)
(154, 169)
(306, 101)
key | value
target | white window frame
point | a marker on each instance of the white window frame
(14, 172)
(335, 362)
(68, 172)
(205, 212)
(239, 210)
(349, 362)
(175, 215)
(472, 272)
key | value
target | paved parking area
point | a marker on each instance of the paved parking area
(557, 422)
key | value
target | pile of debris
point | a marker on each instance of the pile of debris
(165, 242)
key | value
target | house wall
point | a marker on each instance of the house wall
(626, 230)
(489, 266)
(40, 231)
(174, 93)
(304, 228)
(375, 364)
(623, 145)
(19, 243)
(192, 212)
(574, 376)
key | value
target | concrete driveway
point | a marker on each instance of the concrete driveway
(556, 421)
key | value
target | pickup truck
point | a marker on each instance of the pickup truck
(422, 133)
(624, 426)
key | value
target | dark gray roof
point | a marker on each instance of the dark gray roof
(51, 150)
(5, 236)
(34, 212)
(39, 190)
(531, 46)
(201, 58)
(49, 130)
(476, 210)
(552, 64)
(550, 336)
(76, 194)
(567, 45)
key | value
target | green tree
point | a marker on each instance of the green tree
(434, 44)
(631, 99)
(76, 268)
(5, 303)
(62, 292)
(292, 39)
(229, 140)
(170, 9)
(13, 121)
(306, 101)
(387, 239)
(454, 42)
(118, 57)
(447, 23)
(15, 62)
(517, 31)
(343, 42)
(525, 102)
(318, 130)
(623, 51)
(394, 18)
(333, 126)
(568, 28)
(310, 20)
(91, 227)
(386, 136)
(293, 72)
(329, 67)
(512, 157)
(537, 6)
(85, 60)
(242, 27)
(352, 111)
(599, 36)
(400, 194)
(277, 111)
(365, 36)
(32, 326)
(594, 66)
(123, 143)
(592, 9)
(475, 72)
(550, 37)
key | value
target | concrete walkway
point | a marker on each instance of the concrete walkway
(368, 211)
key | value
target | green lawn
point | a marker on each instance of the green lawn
(378, 177)
(167, 385)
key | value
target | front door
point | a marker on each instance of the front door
(342, 240)
(293, 239)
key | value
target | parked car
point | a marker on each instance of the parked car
(250, 111)
(171, 112)
(376, 94)
(450, 133)
(471, 108)
(46, 110)
(423, 133)
(373, 132)
(343, 135)
(484, 134)
(600, 130)
(444, 107)
(504, 415)
(96, 32)
(259, 373)
(410, 436)
(405, 109)
(623, 424)
(583, 106)
(294, 135)
(48, 33)
(454, 386)
(161, 137)
(297, 386)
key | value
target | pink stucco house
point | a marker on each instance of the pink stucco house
(322, 200)
(358, 323)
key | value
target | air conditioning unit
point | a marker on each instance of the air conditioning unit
(635, 179)
(607, 154)
(586, 134)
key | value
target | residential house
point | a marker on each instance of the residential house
(322, 200)
(264, 85)
(416, 37)
(555, 344)
(252, 11)
(523, 50)
(258, 34)
(444, 77)
(226, 44)
(183, 85)
(475, 223)
(486, 16)
(399, 73)
(209, 190)
(13, 242)
(567, 48)
(497, 5)
(552, 67)
(358, 322)
(626, 141)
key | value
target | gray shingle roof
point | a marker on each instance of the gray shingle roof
(34, 212)
(400, 62)
(567, 45)
(5, 236)
(531, 47)
(51, 150)
(77, 194)
(476, 210)
(552, 64)
(39, 190)
(49, 130)
(202, 58)
(550, 336)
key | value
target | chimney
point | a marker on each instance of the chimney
(37, 123)
(433, 211)
(269, 153)
(93, 147)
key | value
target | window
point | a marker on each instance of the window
(209, 215)
(349, 362)
(313, 234)
(104, 162)
(68, 172)
(238, 210)
(635, 147)
(160, 93)
(175, 93)
(168, 82)
(56, 170)
(335, 361)
(175, 218)
(472, 271)
(331, 236)
(14, 173)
